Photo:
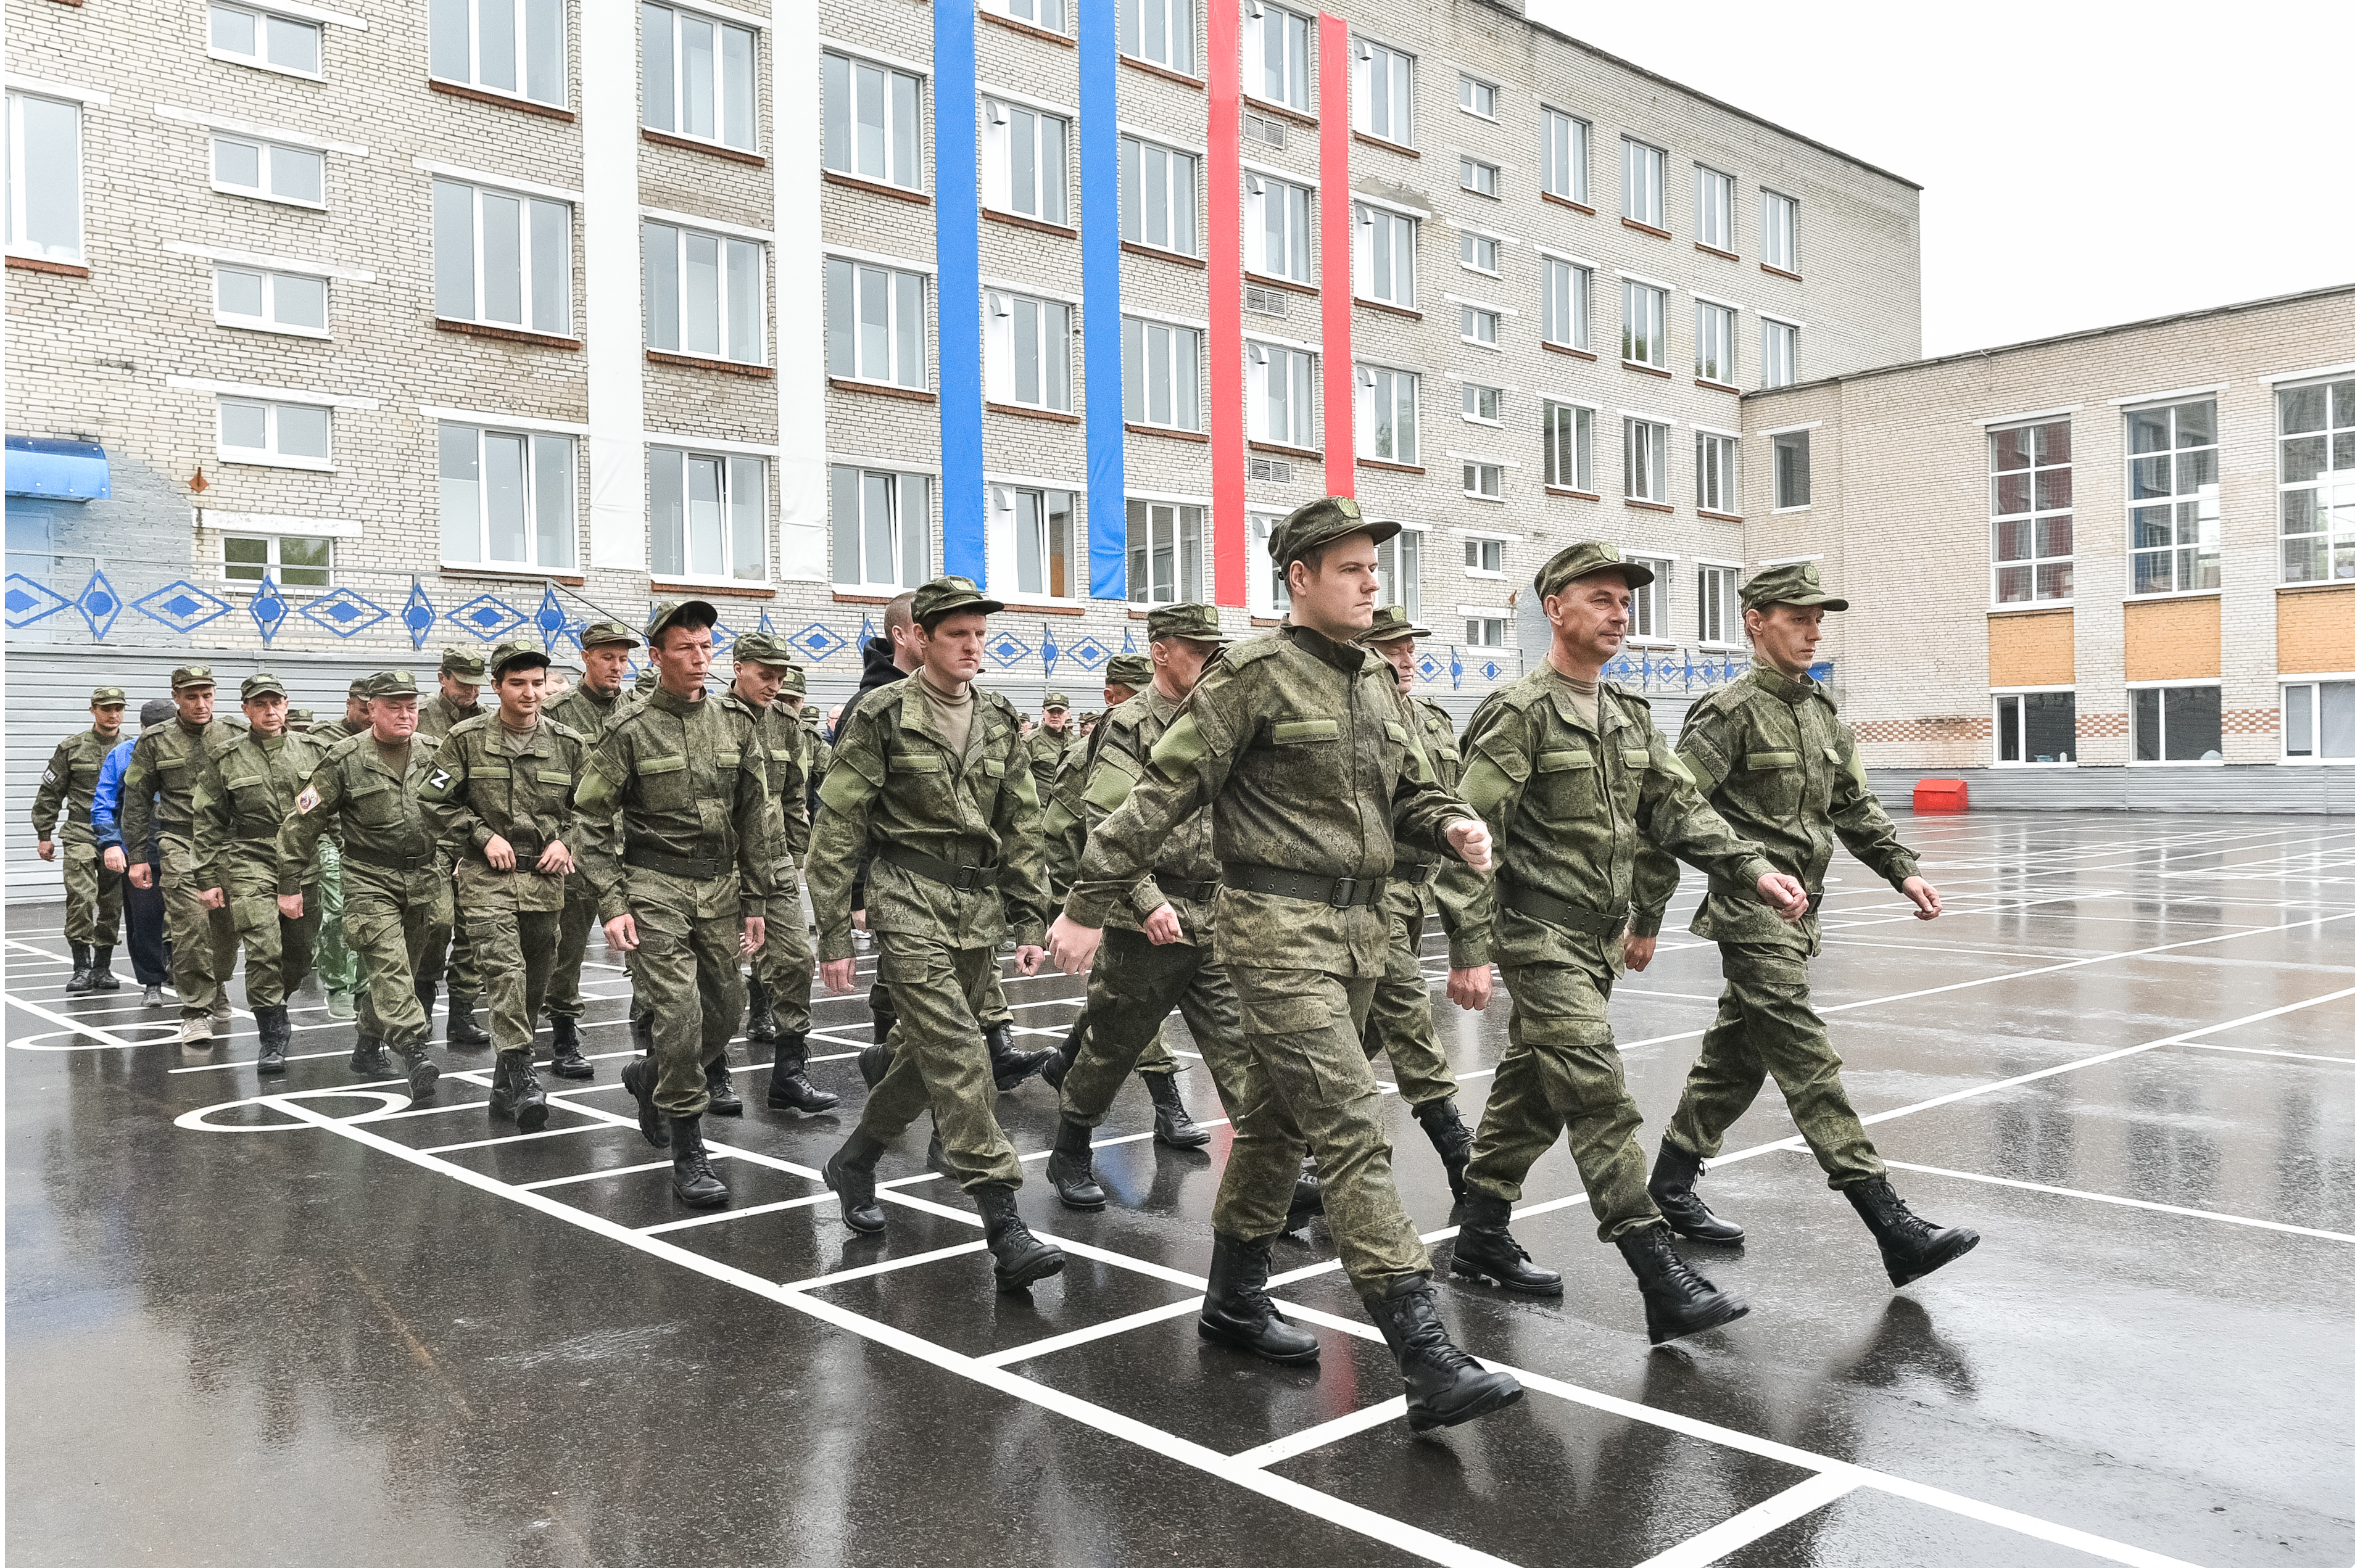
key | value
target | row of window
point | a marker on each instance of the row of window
(2177, 723)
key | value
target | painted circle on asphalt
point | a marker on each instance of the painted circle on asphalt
(201, 1120)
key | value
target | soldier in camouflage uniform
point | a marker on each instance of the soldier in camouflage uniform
(499, 801)
(459, 699)
(159, 790)
(244, 794)
(931, 774)
(673, 813)
(93, 892)
(1050, 743)
(1296, 744)
(397, 906)
(332, 960)
(585, 710)
(1769, 752)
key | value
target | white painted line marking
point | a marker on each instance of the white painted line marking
(545, 1182)
(1077, 1337)
(2264, 1051)
(518, 1138)
(888, 1266)
(1317, 1437)
(1764, 1519)
(2122, 1202)
(806, 1200)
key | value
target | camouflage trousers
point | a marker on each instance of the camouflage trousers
(93, 895)
(1306, 1079)
(338, 966)
(1400, 1024)
(515, 945)
(688, 976)
(1559, 1073)
(580, 918)
(1766, 1024)
(398, 924)
(939, 1061)
(1154, 1058)
(204, 941)
(784, 963)
(277, 951)
(1131, 990)
(462, 971)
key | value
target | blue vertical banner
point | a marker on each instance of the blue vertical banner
(1099, 299)
(956, 153)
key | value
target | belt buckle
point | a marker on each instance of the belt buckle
(1345, 892)
(963, 881)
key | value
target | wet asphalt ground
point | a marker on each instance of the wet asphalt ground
(320, 1326)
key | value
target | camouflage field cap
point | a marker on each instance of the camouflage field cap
(809, 714)
(1194, 623)
(1134, 671)
(392, 683)
(795, 683)
(759, 648)
(513, 655)
(298, 719)
(107, 697)
(1792, 582)
(951, 595)
(463, 663)
(359, 688)
(260, 683)
(1584, 559)
(192, 677)
(1321, 522)
(1390, 623)
(607, 634)
(688, 613)
(1056, 700)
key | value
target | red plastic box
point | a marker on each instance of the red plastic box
(1942, 795)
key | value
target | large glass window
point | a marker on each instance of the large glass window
(1643, 173)
(1276, 230)
(2171, 497)
(502, 258)
(1161, 366)
(1157, 196)
(1717, 485)
(1165, 553)
(272, 301)
(1713, 342)
(1565, 290)
(1646, 462)
(2318, 481)
(1277, 45)
(1282, 395)
(1643, 331)
(1778, 231)
(1794, 478)
(245, 167)
(1387, 426)
(507, 498)
(699, 77)
(1564, 149)
(292, 560)
(2036, 727)
(2035, 526)
(1570, 447)
(1717, 611)
(44, 178)
(2318, 721)
(2178, 724)
(882, 529)
(1384, 100)
(279, 435)
(502, 46)
(1397, 569)
(1029, 352)
(1025, 162)
(1712, 207)
(1385, 270)
(874, 122)
(262, 38)
(1778, 346)
(874, 323)
(1647, 617)
(1160, 32)
(1036, 543)
(704, 295)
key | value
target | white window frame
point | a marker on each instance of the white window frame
(1002, 315)
(1648, 607)
(273, 566)
(896, 325)
(1296, 47)
(2134, 721)
(534, 446)
(2333, 488)
(726, 247)
(1006, 499)
(265, 152)
(266, 322)
(1717, 472)
(1373, 220)
(1134, 178)
(1653, 301)
(1643, 459)
(528, 27)
(1003, 128)
(1778, 231)
(526, 261)
(1041, 12)
(1778, 353)
(1386, 393)
(2032, 519)
(2204, 559)
(1713, 209)
(1269, 595)
(722, 104)
(1468, 92)
(1397, 569)
(1477, 547)
(1472, 391)
(905, 535)
(1301, 385)
(1486, 630)
(1576, 461)
(18, 194)
(2311, 686)
(1717, 605)
(837, 71)
(1643, 179)
(269, 454)
(260, 59)
(1178, 19)
(1996, 697)
(1396, 66)
(1565, 151)
(1189, 547)
(1471, 318)
(1472, 245)
(1566, 292)
(1783, 443)
(1263, 196)
(1139, 334)
(1715, 326)
(1470, 172)
(1484, 480)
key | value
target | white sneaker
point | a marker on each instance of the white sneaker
(196, 1033)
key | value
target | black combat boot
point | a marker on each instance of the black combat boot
(1007, 1065)
(1236, 1311)
(461, 1030)
(423, 1074)
(515, 1094)
(428, 992)
(850, 1174)
(1172, 1123)
(874, 1061)
(936, 1159)
(1910, 1246)
(101, 970)
(371, 1060)
(720, 1084)
(564, 1057)
(1485, 1249)
(1071, 1169)
(81, 981)
(1066, 1052)
(271, 1024)
(789, 1084)
(690, 1167)
(761, 1025)
(1022, 1259)
(1676, 1301)
(1671, 1186)
(1307, 1197)
(1450, 1136)
(638, 1078)
(641, 1030)
(1443, 1386)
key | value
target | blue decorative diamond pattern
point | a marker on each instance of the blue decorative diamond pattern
(1429, 668)
(818, 642)
(549, 617)
(1087, 653)
(418, 614)
(1491, 670)
(765, 628)
(99, 604)
(1048, 651)
(182, 606)
(343, 612)
(1009, 650)
(29, 601)
(268, 608)
(487, 617)
(1455, 667)
(722, 638)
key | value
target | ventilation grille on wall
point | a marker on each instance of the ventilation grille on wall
(1273, 469)
(1266, 301)
(1260, 128)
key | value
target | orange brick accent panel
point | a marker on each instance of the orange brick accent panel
(2175, 639)
(2101, 727)
(1946, 728)
(2252, 721)
(2032, 650)
(2314, 633)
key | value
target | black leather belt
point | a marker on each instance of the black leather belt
(384, 862)
(1555, 912)
(1339, 892)
(1178, 887)
(964, 878)
(1416, 872)
(646, 857)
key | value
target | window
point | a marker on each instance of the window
(1275, 233)
(1567, 289)
(1477, 176)
(1160, 32)
(1793, 486)
(707, 515)
(1716, 482)
(257, 37)
(1387, 425)
(704, 295)
(242, 166)
(507, 498)
(1647, 617)
(1643, 168)
(1778, 231)
(1024, 167)
(1478, 324)
(1165, 553)
(1029, 352)
(2332, 739)
(505, 46)
(874, 323)
(699, 77)
(282, 435)
(1282, 395)
(1483, 557)
(1713, 342)
(1564, 151)
(1385, 270)
(44, 178)
(1476, 97)
(1277, 45)
(2036, 728)
(1161, 366)
(1046, 14)
(882, 529)
(1570, 447)
(2171, 497)
(1712, 207)
(1271, 593)
(2034, 527)
(874, 122)
(1716, 610)
(1484, 631)
(292, 560)
(1398, 570)
(272, 301)
(1033, 553)
(1484, 405)
(1778, 354)
(2317, 483)
(1385, 95)
(501, 259)
(1644, 330)
(1479, 251)
(1484, 480)
(2178, 724)
(1157, 196)
(1647, 460)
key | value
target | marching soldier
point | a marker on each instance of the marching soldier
(159, 790)
(674, 811)
(1125, 674)
(1050, 743)
(931, 775)
(1296, 744)
(245, 792)
(499, 801)
(143, 907)
(93, 892)
(338, 966)
(1770, 753)
(397, 906)
(459, 700)
(586, 709)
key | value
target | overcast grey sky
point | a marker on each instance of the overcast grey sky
(2083, 163)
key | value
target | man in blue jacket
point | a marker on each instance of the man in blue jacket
(143, 907)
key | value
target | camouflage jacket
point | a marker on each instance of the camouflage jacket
(1437, 732)
(779, 738)
(381, 823)
(478, 789)
(245, 792)
(683, 779)
(159, 786)
(1117, 755)
(437, 715)
(1049, 750)
(584, 713)
(67, 784)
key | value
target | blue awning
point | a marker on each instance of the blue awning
(61, 470)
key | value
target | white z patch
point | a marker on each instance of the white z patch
(441, 779)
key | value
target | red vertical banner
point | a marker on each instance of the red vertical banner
(1336, 239)
(1230, 530)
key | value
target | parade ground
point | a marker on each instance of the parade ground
(301, 1322)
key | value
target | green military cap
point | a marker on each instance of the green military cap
(809, 714)
(1320, 523)
(951, 595)
(298, 719)
(392, 683)
(1792, 582)
(192, 677)
(759, 648)
(795, 681)
(607, 634)
(108, 698)
(1584, 559)
(507, 655)
(261, 684)
(1194, 623)
(688, 613)
(1134, 671)
(645, 682)
(463, 663)
(1390, 623)
(359, 688)
(1057, 699)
